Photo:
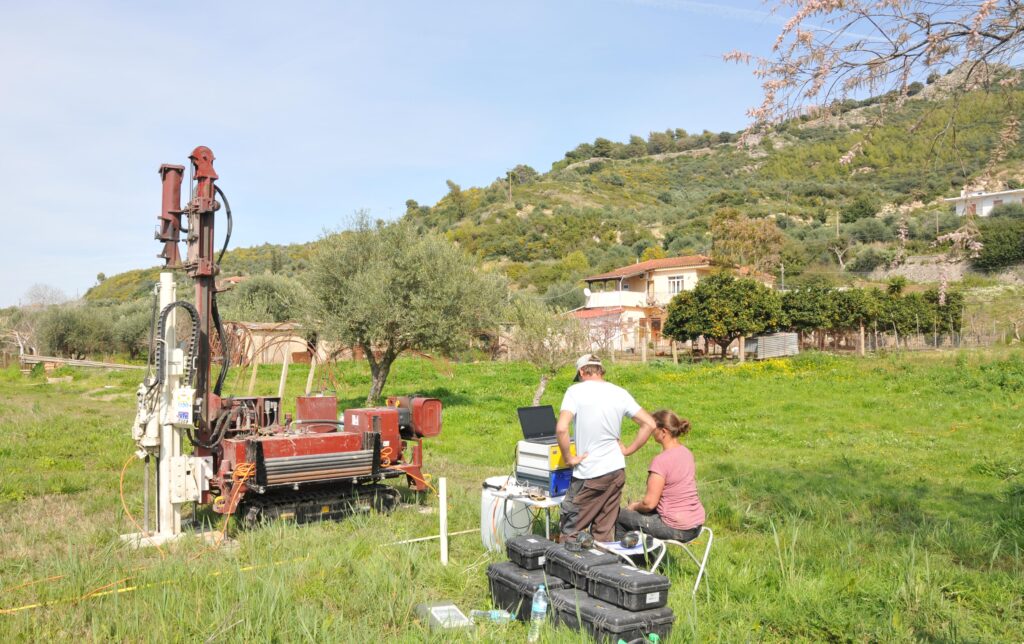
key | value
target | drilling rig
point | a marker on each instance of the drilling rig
(248, 457)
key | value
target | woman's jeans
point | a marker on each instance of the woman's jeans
(651, 524)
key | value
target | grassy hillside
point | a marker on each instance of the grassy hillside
(906, 159)
(852, 500)
(289, 260)
(607, 203)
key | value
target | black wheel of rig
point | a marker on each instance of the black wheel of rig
(385, 500)
(252, 515)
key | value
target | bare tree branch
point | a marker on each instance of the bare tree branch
(831, 49)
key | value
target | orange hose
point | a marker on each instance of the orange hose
(31, 583)
(424, 481)
(243, 471)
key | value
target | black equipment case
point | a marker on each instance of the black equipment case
(605, 622)
(512, 587)
(573, 566)
(528, 550)
(628, 587)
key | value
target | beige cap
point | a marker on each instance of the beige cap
(585, 360)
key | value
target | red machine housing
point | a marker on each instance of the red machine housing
(424, 418)
(378, 420)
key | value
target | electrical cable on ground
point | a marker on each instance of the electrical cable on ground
(127, 589)
(31, 583)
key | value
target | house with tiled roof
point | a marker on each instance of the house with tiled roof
(625, 307)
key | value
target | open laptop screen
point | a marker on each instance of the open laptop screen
(538, 423)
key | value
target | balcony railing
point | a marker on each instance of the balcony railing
(626, 298)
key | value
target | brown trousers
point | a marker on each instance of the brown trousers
(592, 504)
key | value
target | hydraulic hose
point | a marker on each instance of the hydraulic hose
(220, 429)
(214, 310)
(225, 349)
(227, 211)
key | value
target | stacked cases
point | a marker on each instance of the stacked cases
(589, 590)
(514, 582)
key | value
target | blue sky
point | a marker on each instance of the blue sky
(317, 109)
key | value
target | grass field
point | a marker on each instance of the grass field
(852, 500)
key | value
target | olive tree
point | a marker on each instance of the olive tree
(387, 288)
(546, 338)
(264, 298)
(132, 327)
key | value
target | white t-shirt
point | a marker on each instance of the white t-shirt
(598, 408)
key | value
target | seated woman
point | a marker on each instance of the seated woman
(670, 509)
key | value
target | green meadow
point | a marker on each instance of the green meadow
(851, 499)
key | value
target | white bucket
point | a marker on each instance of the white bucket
(500, 518)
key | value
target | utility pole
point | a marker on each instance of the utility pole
(508, 174)
(782, 270)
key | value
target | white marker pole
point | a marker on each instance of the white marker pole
(443, 494)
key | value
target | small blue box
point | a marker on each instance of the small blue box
(554, 482)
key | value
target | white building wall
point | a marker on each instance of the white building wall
(662, 293)
(984, 204)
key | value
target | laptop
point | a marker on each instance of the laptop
(538, 424)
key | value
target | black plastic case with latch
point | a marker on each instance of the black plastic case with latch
(528, 550)
(628, 587)
(607, 623)
(512, 587)
(572, 566)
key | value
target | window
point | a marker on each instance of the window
(676, 284)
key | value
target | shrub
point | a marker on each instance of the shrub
(1005, 374)
(867, 260)
(77, 331)
(1008, 210)
(1002, 244)
(869, 230)
(264, 298)
(864, 205)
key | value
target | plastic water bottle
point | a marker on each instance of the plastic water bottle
(495, 616)
(538, 613)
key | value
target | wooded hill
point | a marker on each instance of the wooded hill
(838, 194)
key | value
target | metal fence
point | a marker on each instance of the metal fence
(841, 343)
(913, 342)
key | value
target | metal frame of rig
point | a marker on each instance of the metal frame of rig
(249, 459)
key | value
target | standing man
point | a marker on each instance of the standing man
(597, 408)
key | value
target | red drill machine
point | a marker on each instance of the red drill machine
(249, 457)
